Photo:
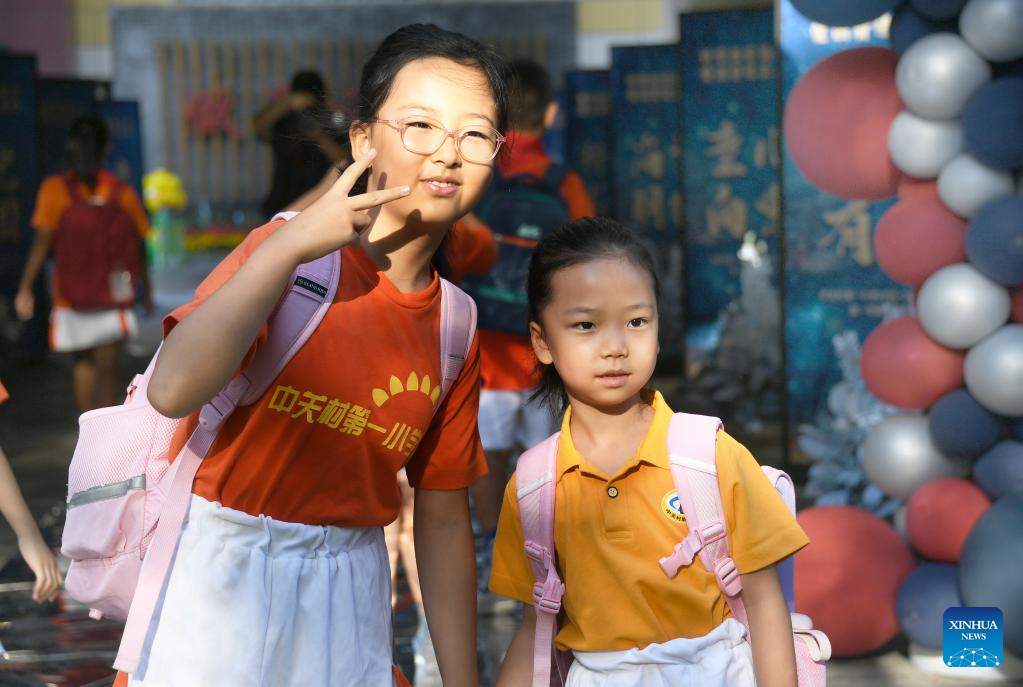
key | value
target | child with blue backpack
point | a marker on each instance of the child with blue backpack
(530, 196)
(617, 509)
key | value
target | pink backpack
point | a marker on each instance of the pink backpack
(126, 501)
(691, 446)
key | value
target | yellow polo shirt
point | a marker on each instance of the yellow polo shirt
(610, 534)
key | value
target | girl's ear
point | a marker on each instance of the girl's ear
(540, 348)
(358, 137)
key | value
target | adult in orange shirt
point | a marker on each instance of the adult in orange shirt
(280, 577)
(508, 421)
(86, 216)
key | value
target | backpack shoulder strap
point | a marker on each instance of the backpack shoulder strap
(300, 311)
(457, 327)
(555, 175)
(782, 484)
(535, 481)
(692, 443)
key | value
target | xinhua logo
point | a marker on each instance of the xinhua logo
(972, 637)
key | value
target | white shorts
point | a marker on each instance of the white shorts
(80, 330)
(256, 602)
(721, 658)
(507, 420)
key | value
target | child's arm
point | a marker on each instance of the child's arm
(30, 542)
(447, 575)
(211, 342)
(774, 659)
(517, 668)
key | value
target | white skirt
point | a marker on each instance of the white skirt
(253, 601)
(722, 658)
(80, 330)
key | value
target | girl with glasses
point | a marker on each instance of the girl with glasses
(281, 574)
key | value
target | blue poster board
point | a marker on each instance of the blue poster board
(125, 159)
(832, 281)
(588, 132)
(730, 143)
(731, 185)
(645, 90)
(58, 103)
(646, 164)
(18, 165)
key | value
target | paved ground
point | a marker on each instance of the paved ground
(56, 644)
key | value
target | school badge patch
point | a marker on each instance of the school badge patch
(672, 507)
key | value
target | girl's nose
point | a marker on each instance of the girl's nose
(615, 346)
(447, 154)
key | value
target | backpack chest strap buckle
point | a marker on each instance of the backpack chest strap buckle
(686, 550)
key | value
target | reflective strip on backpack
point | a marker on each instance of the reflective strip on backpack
(105, 492)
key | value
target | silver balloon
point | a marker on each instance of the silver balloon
(922, 147)
(899, 456)
(958, 306)
(938, 74)
(994, 371)
(965, 184)
(994, 28)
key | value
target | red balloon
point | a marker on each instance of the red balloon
(847, 577)
(1017, 305)
(913, 188)
(904, 367)
(836, 123)
(940, 515)
(916, 237)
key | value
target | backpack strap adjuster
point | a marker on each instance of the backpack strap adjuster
(728, 577)
(547, 596)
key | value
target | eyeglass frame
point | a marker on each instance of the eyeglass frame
(448, 133)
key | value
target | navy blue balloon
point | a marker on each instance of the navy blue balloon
(939, 9)
(1016, 428)
(908, 26)
(961, 427)
(994, 240)
(1000, 470)
(843, 12)
(1000, 69)
(993, 123)
(989, 568)
(922, 599)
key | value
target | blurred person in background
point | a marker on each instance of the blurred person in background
(95, 226)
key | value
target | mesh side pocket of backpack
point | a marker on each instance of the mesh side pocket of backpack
(116, 444)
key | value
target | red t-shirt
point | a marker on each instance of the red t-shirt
(508, 362)
(356, 403)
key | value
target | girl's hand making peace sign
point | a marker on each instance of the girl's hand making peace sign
(336, 219)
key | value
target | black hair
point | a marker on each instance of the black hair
(421, 41)
(86, 144)
(309, 81)
(576, 242)
(530, 95)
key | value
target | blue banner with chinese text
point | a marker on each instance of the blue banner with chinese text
(588, 132)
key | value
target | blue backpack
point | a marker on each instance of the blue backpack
(520, 210)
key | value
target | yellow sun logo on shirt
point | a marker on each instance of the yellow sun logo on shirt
(412, 383)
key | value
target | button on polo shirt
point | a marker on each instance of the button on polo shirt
(610, 531)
